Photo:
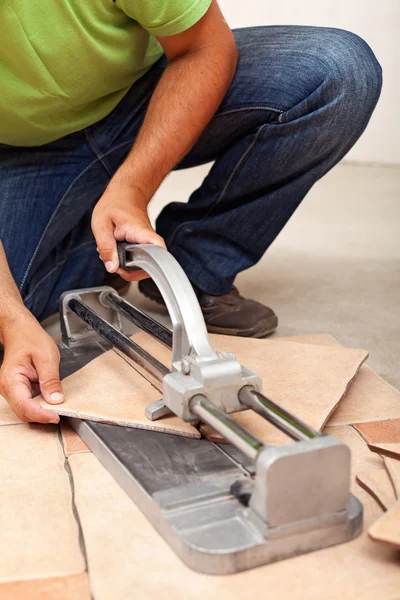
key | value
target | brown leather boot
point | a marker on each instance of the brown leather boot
(229, 314)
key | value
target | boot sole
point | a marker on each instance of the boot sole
(261, 330)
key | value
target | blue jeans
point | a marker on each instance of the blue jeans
(300, 99)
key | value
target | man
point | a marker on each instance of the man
(101, 99)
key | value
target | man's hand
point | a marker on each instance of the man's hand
(30, 367)
(121, 215)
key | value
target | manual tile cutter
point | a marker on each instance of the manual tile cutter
(222, 508)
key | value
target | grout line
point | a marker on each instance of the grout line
(75, 512)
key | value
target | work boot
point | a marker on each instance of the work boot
(229, 314)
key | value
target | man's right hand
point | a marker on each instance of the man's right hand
(30, 366)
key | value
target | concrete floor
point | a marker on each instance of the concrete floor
(336, 266)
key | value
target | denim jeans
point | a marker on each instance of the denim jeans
(300, 99)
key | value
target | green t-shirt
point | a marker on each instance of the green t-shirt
(65, 64)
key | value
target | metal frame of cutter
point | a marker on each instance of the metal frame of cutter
(258, 503)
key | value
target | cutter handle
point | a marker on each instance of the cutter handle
(123, 257)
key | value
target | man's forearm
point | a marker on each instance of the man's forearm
(186, 98)
(11, 304)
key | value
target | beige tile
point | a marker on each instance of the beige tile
(71, 441)
(392, 466)
(109, 390)
(383, 437)
(71, 587)
(386, 432)
(316, 339)
(367, 468)
(305, 379)
(387, 528)
(369, 398)
(39, 536)
(127, 556)
(390, 450)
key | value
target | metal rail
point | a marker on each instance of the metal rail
(218, 420)
(138, 318)
(275, 414)
(122, 342)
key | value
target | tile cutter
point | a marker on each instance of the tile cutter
(222, 508)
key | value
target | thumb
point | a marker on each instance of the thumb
(106, 245)
(49, 380)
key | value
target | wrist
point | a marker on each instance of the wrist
(128, 180)
(14, 319)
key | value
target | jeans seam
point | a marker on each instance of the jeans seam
(226, 186)
(245, 108)
(55, 267)
(97, 159)
(93, 144)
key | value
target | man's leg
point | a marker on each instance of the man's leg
(46, 195)
(300, 99)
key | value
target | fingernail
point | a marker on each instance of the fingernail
(110, 266)
(56, 397)
(55, 420)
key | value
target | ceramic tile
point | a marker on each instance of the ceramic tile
(367, 469)
(71, 441)
(386, 432)
(369, 398)
(39, 535)
(387, 528)
(71, 587)
(392, 466)
(109, 390)
(129, 555)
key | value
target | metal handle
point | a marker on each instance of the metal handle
(190, 336)
(121, 246)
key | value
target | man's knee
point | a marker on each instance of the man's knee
(354, 75)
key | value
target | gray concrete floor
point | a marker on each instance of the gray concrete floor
(336, 266)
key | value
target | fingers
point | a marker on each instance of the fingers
(47, 367)
(132, 275)
(16, 389)
(143, 236)
(106, 244)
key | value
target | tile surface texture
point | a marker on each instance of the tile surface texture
(387, 432)
(129, 555)
(71, 441)
(109, 390)
(387, 528)
(365, 464)
(383, 437)
(70, 587)
(368, 399)
(39, 536)
(392, 466)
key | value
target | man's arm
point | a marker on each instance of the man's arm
(202, 63)
(31, 358)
